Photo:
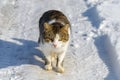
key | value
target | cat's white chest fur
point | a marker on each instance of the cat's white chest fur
(48, 48)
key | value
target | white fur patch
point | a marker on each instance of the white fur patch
(54, 20)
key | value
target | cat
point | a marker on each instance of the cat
(54, 38)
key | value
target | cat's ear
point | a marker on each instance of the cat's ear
(46, 26)
(66, 26)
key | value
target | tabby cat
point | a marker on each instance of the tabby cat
(54, 38)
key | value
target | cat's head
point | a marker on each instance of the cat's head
(56, 34)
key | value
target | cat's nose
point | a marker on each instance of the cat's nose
(55, 45)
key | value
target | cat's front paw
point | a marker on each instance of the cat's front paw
(60, 70)
(48, 67)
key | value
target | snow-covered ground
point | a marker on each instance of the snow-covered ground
(95, 44)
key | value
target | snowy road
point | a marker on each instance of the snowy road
(95, 37)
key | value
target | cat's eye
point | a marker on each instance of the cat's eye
(60, 39)
(62, 35)
(49, 35)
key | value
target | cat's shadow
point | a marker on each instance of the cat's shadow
(24, 52)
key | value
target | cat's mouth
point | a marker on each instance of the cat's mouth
(54, 45)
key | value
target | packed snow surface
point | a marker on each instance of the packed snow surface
(94, 51)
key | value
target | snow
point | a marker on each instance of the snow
(93, 53)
